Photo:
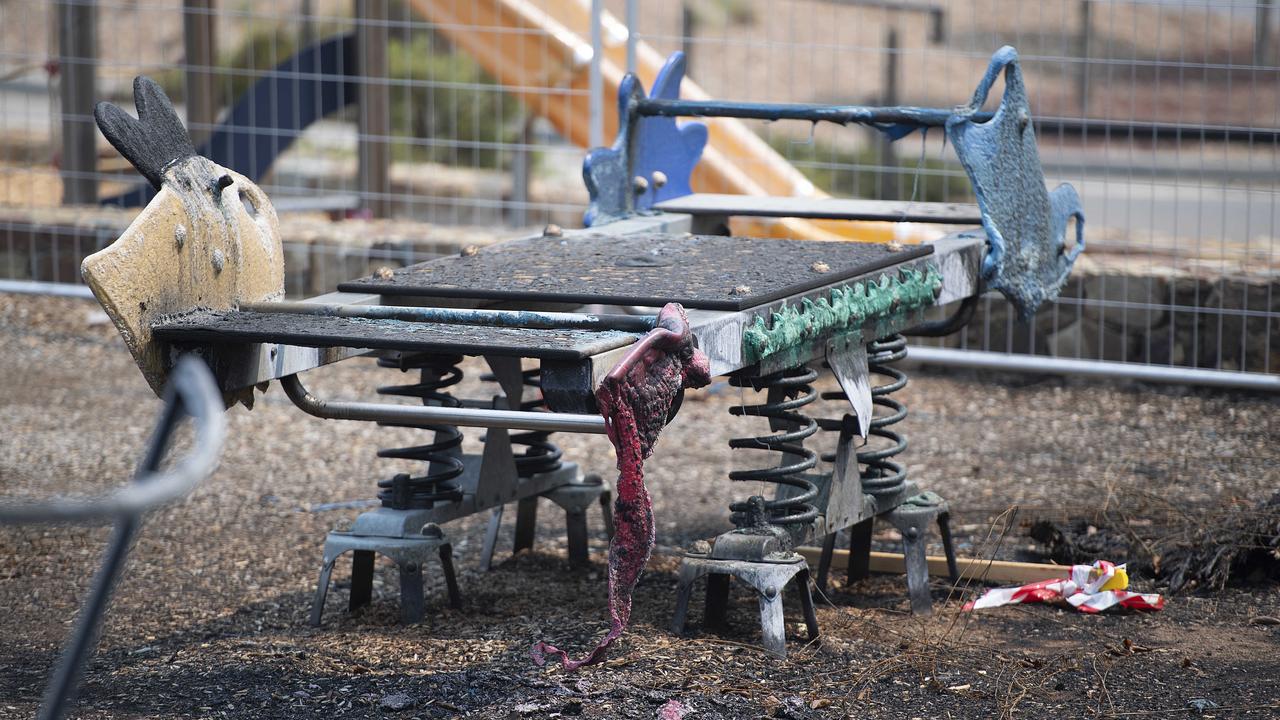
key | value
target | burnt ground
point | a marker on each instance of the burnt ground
(210, 618)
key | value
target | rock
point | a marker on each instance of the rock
(396, 702)
(1200, 705)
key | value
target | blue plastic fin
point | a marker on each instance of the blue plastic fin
(660, 145)
(1026, 224)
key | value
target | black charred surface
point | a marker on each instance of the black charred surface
(698, 271)
(155, 139)
(210, 327)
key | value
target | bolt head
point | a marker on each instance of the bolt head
(659, 178)
(771, 592)
(639, 184)
(432, 530)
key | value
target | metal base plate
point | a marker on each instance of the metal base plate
(207, 326)
(698, 271)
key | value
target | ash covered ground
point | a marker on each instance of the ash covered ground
(210, 619)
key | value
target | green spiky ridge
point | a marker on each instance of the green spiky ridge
(849, 307)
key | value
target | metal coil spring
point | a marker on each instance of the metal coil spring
(540, 454)
(880, 474)
(794, 385)
(406, 491)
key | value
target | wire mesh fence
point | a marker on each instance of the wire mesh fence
(409, 126)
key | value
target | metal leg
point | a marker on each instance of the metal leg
(824, 560)
(913, 546)
(412, 553)
(860, 550)
(767, 579)
(411, 603)
(684, 593)
(606, 510)
(717, 600)
(361, 579)
(322, 590)
(576, 529)
(450, 579)
(526, 523)
(806, 603)
(912, 518)
(490, 538)
(771, 621)
(948, 549)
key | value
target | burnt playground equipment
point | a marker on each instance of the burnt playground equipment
(648, 169)
(767, 313)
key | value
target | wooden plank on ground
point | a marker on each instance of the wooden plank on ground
(993, 571)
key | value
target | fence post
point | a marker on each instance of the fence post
(888, 159)
(521, 167)
(688, 28)
(374, 123)
(1262, 34)
(632, 21)
(307, 26)
(595, 81)
(201, 55)
(78, 52)
(1086, 26)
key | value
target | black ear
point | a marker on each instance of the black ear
(153, 141)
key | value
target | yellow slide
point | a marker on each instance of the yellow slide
(539, 51)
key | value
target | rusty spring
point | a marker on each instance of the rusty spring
(405, 491)
(880, 474)
(788, 391)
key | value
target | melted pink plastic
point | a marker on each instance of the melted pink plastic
(635, 400)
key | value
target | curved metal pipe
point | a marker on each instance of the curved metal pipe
(947, 326)
(190, 391)
(420, 414)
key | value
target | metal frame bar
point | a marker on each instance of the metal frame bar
(427, 414)
(809, 112)
(1002, 362)
(454, 316)
(39, 287)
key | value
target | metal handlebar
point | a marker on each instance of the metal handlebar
(190, 392)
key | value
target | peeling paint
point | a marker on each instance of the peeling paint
(848, 307)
